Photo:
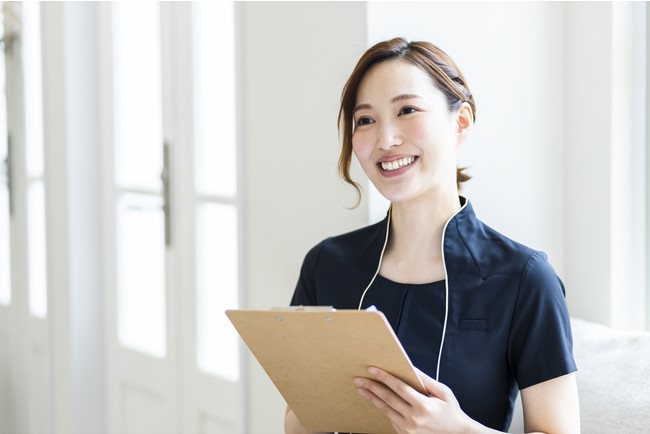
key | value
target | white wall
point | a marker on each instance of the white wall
(296, 58)
(604, 162)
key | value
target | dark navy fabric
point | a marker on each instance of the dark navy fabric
(508, 325)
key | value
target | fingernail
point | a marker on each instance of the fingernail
(358, 381)
(373, 371)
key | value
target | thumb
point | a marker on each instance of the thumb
(435, 388)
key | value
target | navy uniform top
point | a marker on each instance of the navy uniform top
(508, 325)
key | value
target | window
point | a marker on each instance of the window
(216, 210)
(137, 115)
(34, 158)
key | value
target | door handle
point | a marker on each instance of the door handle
(7, 172)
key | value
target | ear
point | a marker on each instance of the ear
(464, 122)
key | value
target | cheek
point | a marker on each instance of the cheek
(432, 134)
(362, 145)
(419, 131)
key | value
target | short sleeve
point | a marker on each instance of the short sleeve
(305, 292)
(540, 345)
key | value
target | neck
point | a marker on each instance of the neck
(417, 225)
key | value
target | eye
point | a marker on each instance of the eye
(407, 110)
(363, 121)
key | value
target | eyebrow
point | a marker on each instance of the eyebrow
(392, 101)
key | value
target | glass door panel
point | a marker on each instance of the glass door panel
(137, 117)
(36, 248)
(217, 288)
(140, 270)
(33, 93)
(215, 183)
(137, 94)
(33, 89)
(214, 96)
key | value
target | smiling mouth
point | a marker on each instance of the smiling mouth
(389, 166)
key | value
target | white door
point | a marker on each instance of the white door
(24, 350)
(172, 216)
(141, 366)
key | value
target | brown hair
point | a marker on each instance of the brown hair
(426, 56)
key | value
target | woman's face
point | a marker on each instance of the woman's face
(405, 137)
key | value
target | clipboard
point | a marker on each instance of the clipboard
(312, 356)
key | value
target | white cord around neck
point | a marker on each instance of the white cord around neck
(444, 265)
(381, 257)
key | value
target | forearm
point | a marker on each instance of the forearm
(293, 426)
(475, 427)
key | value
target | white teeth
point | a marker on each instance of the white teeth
(392, 165)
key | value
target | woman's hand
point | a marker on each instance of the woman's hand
(412, 412)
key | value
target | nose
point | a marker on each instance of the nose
(389, 136)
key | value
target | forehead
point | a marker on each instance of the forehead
(390, 78)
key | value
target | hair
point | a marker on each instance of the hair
(436, 63)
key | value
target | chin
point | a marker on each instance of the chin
(396, 196)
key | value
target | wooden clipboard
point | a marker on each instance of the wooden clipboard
(312, 357)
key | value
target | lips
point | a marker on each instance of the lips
(389, 166)
(395, 165)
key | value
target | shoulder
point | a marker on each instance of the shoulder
(531, 265)
(529, 275)
(538, 268)
(347, 247)
(495, 253)
(337, 268)
(540, 284)
(493, 260)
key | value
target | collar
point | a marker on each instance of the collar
(462, 244)
(464, 237)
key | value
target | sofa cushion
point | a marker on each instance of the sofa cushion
(613, 378)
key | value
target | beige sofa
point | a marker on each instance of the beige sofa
(613, 380)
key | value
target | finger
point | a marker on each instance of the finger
(403, 390)
(393, 415)
(435, 388)
(384, 393)
(423, 380)
(420, 374)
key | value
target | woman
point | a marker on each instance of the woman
(480, 315)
